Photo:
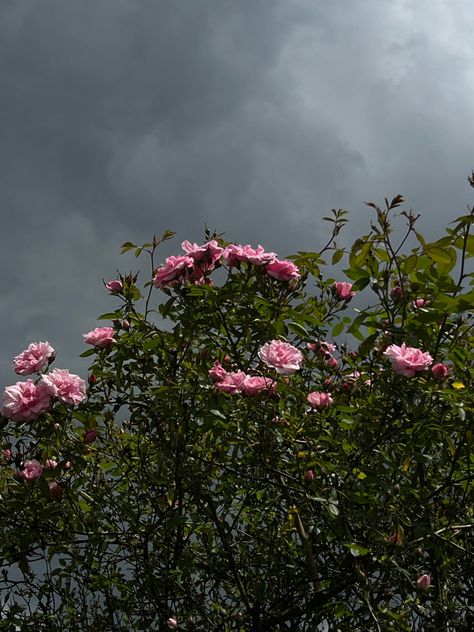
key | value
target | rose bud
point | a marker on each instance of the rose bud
(56, 490)
(440, 371)
(90, 435)
(309, 475)
(423, 582)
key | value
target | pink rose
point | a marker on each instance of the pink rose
(172, 623)
(7, 454)
(90, 435)
(407, 360)
(397, 293)
(258, 256)
(30, 471)
(332, 363)
(25, 401)
(56, 490)
(175, 270)
(33, 359)
(419, 302)
(282, 356)
(344, 290)
(309, 475)
(440, 371)
(317, 399)
(67, 387)
(115, 286)
(282, 270)
(423, 582)
(100, 337)
(322, 347)
(232, 382)
(210, 251)
(254, 385)
(50, 464)
(217, 372)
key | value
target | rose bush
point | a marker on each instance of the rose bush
(272, 456)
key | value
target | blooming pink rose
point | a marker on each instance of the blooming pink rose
(217, 372)
(344, 290)
(282, 356)
(440, 371)
(423, 582)
(56, 490)
(318, 399)
(115, 286)
(30, 471)
(67, 387)
(25, 401)
(50, 464)
(175, 270)
(254, 385)
(100, 337)
(407, 360)
(232, 382)
(282, 270)
(90, 435)
(33, 359)
(210, 251)
(258, 256)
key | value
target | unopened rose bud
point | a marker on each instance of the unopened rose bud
(346, 386)
(332, 363)
(56, 490)
(440, 371)
(423, 582)
(328, 381)
(90, 435)
(115, 286)
(309, 475)
(125, 325)
(7, 454)
(397, 293)
(57, 427)
(92, 379)
(68, 465)
(172, 623)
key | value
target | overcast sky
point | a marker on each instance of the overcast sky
(121, 118)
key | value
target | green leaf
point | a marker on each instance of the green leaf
(299, 330)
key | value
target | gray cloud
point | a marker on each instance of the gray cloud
(121, 119)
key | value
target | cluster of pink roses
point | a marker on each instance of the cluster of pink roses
(239, 382)
(26, 401)
(198, 261)
(408, 361)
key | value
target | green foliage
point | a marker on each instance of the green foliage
(198, 504)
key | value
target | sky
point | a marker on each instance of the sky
(122, 118)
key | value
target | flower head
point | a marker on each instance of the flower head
(318, 399)
(232, 382)
(175, 270)
(282, 356)
(344, 290)
(407, 360)
(33, 359)
(30, 471)
(255, 385)
(256, 256)
(100, 337)
(25, 401)
(115, 286)
(423, 582)
(282, 270)
(67, 387)
(440, 371)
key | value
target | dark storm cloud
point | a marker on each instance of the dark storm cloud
(121, 118)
